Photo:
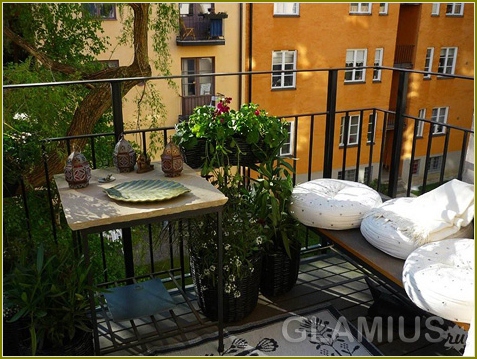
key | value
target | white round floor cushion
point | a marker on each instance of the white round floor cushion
(332, 203)
(439, 278)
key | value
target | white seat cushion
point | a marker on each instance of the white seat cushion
(439, 278)
(400, 225)
(332, 203)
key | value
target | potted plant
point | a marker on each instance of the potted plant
(48, 291)
(219, 135)
(273, 189)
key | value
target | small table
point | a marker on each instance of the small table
(90, 210)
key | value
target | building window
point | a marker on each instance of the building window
(371, 128)
(191, 9)
(106, 11)
(349, 175)
(428, 63)
(416, 164)
(282, 61)
(355, 58)
(360, 8)
(200, 85)
(434, 164)
(353, 130)
(435, 9)
(447, 60)
(378, 61)
(420, 124)
(286, 8)
(455, 9)
(383, 8)
(289, 144)
(439, 114)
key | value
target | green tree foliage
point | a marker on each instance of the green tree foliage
(53, 42)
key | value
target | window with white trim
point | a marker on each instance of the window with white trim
(355, 58)
(428, 62)
(360, 8)
(416, 164)
(447, 60)
(349, 175)
(434, 164)
(289, 144)
(371, 128)
(420, 124)
(383, 8)
(353, 130)
(435, 9)
(439, 114)
(455, 9)
(286, 8)
(378, 61)
(283, 60)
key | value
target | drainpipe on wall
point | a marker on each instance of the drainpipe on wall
(240, 69)
(250, 52)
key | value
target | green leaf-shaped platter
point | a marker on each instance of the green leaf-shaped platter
(146, 191)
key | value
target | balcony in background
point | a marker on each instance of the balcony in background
(201, 30)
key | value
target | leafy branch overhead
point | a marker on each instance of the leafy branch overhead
(50, 42)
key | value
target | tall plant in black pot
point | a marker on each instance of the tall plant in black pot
(48, 291)
(272, 192)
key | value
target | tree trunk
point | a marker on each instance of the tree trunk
(99, 99)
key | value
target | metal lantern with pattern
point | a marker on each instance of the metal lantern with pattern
(77, 170)
(124, 157)
(172, 162)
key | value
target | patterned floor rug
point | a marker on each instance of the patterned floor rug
(320, 331)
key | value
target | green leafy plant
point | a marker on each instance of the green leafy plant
(273, 189)
(48, 288)
(222, 127)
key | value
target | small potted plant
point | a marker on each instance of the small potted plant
(221, 135)
(48, 289)
(273, 189)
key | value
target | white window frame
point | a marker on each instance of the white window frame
(360, 8)
(383, 8)
(420, 124)
(353, 130)
(428, 61)
(439, 114)
(378, 61)
(371, 135)
(434, 164)
(286, 8)
(356, 72)
(290, 143)
(435, 9)
(455, 9)
(349, 175)
(444, 57)
(278, 79)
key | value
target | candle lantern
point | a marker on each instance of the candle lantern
(172, 162)
(124, 157)
(77, 170)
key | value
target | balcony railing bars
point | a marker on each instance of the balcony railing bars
(309, 125)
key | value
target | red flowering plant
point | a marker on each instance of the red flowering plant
(224, 129)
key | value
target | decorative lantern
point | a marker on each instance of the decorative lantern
(124, 157)
(172, 162)
(77, 170)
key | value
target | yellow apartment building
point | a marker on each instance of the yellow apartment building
(235, 37)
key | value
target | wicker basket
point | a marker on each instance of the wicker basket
(195, 156)
(235, 309)
(279, 272)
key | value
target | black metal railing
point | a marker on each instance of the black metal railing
(364, 159)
